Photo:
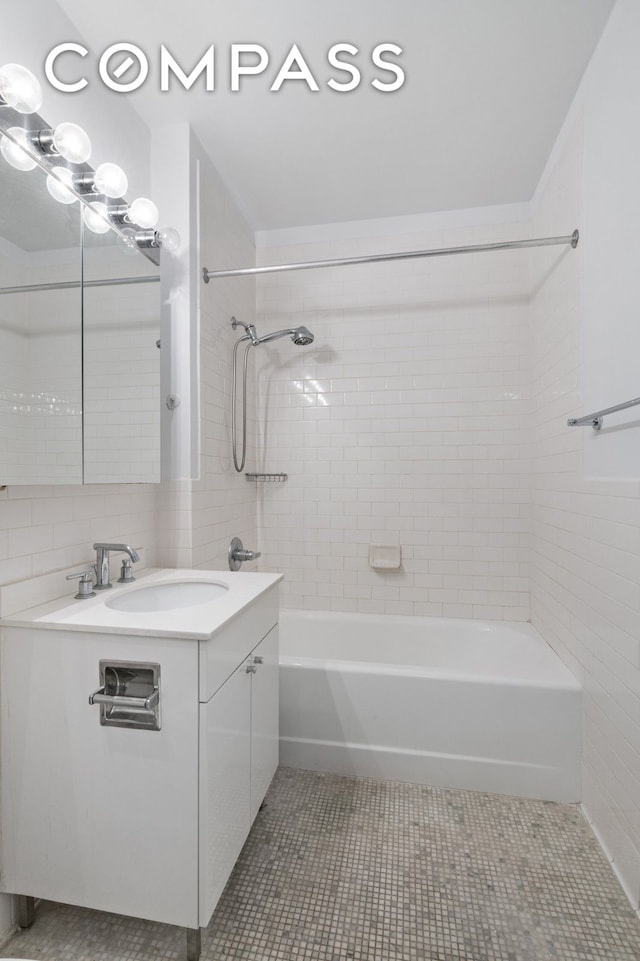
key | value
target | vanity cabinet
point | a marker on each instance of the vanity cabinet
(146, 823)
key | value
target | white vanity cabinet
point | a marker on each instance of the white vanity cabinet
(146, 823)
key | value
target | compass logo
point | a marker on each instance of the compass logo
(124, 67)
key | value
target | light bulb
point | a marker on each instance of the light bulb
(61, 192)
(19, 88)
(14, 154)
(96, 217)
(143, 212)
(72, 143)
(169, 239)
(127, 242)
(110, 180)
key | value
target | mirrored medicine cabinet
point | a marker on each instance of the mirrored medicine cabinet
(79, 345)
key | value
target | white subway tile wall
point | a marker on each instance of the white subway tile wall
(406, 417)
(48, 528)
(585, 559)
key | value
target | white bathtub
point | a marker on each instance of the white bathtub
(477, 705)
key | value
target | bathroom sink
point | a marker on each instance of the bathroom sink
(167, 597)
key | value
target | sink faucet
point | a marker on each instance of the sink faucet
(102, 562)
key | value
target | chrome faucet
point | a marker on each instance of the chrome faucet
(102, 562)
(238, 554)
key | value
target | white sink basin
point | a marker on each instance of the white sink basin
(167, 597)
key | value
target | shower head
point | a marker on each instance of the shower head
(302, 337)
(299, 335)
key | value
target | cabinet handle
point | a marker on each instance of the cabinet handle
(258, 659)
(251, 669)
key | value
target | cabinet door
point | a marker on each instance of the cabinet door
(102, 817)
(225, 784)
(264, 718)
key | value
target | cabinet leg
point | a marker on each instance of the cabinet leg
(194, 943)
(24, 910)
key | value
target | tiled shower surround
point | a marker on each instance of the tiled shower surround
(339, 869)
(404, 421)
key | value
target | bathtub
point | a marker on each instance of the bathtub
(477, 705)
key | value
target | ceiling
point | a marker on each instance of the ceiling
(488, 84)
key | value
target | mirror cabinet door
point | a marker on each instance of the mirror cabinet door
(121, 338)
(79, 345)
(40, 333)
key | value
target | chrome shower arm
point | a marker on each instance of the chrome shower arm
(250, 329)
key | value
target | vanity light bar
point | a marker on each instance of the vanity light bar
(26, 144)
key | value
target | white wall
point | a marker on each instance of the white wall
(224, 503)
(585, 564)
(402, 422)
(198, 517)
(610, 99)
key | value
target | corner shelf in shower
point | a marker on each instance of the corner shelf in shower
(268, 478)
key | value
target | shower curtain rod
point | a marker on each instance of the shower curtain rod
(572, 239)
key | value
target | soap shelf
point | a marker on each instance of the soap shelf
(268, 478)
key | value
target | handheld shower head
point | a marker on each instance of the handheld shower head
(299, 336)
(302, 337)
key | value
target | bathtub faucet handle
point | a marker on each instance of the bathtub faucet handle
(238, 554)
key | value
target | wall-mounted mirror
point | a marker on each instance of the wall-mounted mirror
(121, 334)
(79, 346)
(40, 333)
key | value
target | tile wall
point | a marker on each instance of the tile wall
(585, 558)
(50, 527)
(402, 423)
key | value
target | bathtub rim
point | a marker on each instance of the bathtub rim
(338, 665)
(476, 626)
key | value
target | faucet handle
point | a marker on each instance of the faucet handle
(238, 554)
(126, 574)
(85, 586)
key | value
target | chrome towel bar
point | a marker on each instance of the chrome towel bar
(595, 420)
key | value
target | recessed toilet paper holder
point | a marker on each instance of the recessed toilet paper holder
(129, 695)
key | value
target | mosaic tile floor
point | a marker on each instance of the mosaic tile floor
(343, 869)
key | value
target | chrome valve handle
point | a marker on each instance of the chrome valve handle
(85, 586)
